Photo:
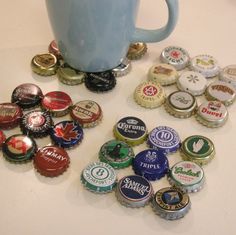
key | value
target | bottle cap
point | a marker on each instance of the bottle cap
(87, 113)
(198, 149)
(193, 82)
(19, 148)
(228, 74)
(70, 76)
(100, 82)
(134, 191)
(186, 175)
(181, 104)
(165, 139)
(175, 56)
(171, 203)
(2, 138)
(27, 96)
(149, 94)
(151, 164)
(131, 130)
(10, 115)
(206, 65)
(221, 91)
(67, 134)
(36, 124)
(116, 153)
(44, 64)
(57, 103)
(99, 177)
(137, 50)
(164, 74)
(51, 161)
(53, 49)
(123, 68)
(212, 114)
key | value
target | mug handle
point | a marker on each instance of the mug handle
(156, 35)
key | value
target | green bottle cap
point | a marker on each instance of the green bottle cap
(198, 149)
(186, 175)
(99, 177)
(116, 153)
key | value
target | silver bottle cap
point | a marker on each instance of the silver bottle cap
(212, 114)
(122, 69)
(175, 56)
(186, 175)
(181, 104)
(228, 74)
(221, 91)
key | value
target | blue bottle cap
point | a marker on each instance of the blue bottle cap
(134, 191)
(165, 139)
(67, 134)
(151, 163)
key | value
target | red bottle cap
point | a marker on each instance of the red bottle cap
(53, 48)
(2, 138)
(87, 113)
(10, 115)
(51, 161)
(57, 103)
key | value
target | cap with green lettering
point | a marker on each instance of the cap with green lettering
(116, 153)
(99, 177)
(186, 175)
(198, 149)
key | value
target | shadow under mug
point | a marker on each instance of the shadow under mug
(94, 35)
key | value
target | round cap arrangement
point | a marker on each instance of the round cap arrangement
(171, 203)
(186, 175)
(134, 191)
(51, 161)
(181, 104)
(198, 149)
(149, 94)
(99, 177)
(116, 153)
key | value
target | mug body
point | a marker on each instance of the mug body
(93, 35)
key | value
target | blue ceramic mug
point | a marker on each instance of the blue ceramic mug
(94, 35)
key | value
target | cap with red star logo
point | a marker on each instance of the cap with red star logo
(67, 134)
(175, 56)
(19, 148)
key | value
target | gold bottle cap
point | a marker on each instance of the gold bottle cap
(137, 50)
(70, 76)
(198, 149)
(149, 94)
(164, 74)
(44, 64)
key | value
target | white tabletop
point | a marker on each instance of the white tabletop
(33, 204)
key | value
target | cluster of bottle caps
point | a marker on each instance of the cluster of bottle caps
(151, 164)
(191, 75)
(52, 63)
(23, 110)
